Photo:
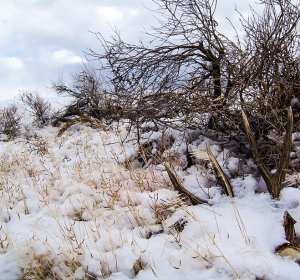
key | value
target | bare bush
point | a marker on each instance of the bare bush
(191, 72)
(191, 75)
(90, 99)
(194, 76)
(271, 77)
(10, 122)
(188, 69)
(39, 108)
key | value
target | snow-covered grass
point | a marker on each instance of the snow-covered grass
(71, 207)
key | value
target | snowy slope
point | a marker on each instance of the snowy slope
(72, 209)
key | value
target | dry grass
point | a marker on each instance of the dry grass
(44, 267)
(81, 213)
(33, 169)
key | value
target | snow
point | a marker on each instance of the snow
(70, 203)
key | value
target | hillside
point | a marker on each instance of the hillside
(84, 206)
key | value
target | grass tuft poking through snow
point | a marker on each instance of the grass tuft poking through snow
(71, 207)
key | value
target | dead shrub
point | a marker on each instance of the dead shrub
(10, 122)
(39, 108)
(90, 99)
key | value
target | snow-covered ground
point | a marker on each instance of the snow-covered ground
(74, 207)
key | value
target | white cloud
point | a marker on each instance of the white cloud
(112, 15)
(42, 40)
(63, 57)
(11, 62)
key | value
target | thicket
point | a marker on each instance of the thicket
(193, 76)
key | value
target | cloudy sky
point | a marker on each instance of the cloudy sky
(43, 41)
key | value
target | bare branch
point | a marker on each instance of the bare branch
(274, 181)
(220, 173)
(179, 187)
